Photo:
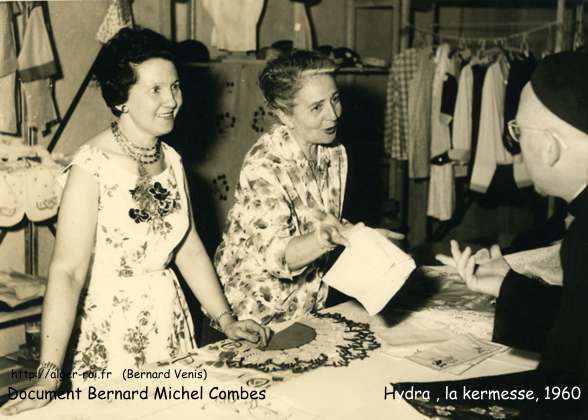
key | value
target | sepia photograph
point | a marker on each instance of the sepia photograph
(293, 210)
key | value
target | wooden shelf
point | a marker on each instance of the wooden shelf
(19, 316)
(14, 362)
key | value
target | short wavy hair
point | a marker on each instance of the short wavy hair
(114, 70)
(281, 79)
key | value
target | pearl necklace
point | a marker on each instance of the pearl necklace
(142, 155)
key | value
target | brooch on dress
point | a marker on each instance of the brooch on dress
(154, 201)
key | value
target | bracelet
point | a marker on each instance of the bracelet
(214, 323)
(49, 370)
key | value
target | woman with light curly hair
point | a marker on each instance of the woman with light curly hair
(286, 219)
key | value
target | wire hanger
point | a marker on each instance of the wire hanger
(579, 40)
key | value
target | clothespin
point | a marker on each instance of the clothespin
(525, 45)
(550, 42)
(481, 47)
(465, 52)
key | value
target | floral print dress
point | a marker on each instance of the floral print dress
(133, 310)
(276, 199)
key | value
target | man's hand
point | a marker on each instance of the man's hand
(481, 274)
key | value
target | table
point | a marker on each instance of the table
(351, 392)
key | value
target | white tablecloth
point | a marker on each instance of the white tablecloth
(352, 392)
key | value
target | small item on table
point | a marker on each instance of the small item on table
(296, 335)
(338, 341)
(463, 350)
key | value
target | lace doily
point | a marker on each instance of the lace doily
(338, 341)
(439, 294)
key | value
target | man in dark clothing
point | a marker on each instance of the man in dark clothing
(552, 128)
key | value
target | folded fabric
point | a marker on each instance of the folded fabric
(371, 269)
(17, 288)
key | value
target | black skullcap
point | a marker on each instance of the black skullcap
(560, 82)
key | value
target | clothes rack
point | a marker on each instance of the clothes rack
(406, 34)
(479, 40)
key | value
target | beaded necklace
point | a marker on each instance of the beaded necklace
(142, 155)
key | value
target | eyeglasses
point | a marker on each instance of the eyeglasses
(515, 132)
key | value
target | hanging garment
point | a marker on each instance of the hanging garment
(35, 60)
(403, 69)
(449, 95)
(8, 64)
(419, 105)
(479, 74)
(490, 149)
(8, 117)
(234, 23)
(461, 135)
(39, 101)
(302, 29)
(441, 203)
(118, 16)
(36, 65)
(7, 50)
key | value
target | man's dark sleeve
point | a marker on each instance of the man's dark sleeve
(525, 311)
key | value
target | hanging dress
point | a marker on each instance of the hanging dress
(133, 310)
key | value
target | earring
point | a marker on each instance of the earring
(123, 109)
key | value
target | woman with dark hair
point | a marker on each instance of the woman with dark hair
(125, 215)
(287, 218)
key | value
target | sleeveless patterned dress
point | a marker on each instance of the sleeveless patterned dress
(133, 310)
